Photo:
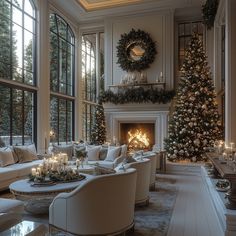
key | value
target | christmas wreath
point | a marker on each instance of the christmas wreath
(128, 42)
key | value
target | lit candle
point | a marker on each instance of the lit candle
(33, 171)
(77, 163)
(224, 155)
(231, 147)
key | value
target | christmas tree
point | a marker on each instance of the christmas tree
(195, 122)
(98, 135)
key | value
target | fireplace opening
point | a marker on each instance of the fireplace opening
(137, 136)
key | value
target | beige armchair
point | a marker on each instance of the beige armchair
(100, 206)
(143, 168)
(153, 159)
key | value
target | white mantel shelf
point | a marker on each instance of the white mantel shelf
(111, 107)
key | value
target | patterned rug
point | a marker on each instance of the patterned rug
(154, 220)
(149, 221)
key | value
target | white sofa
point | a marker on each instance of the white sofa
(99, 157)
(10, 212)
(143, 168)
(103, 205)
(14, 172)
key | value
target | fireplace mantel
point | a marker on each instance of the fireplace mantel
(133, 112)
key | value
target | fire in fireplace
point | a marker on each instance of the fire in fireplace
(138, 136)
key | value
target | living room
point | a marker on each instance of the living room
(135, 93)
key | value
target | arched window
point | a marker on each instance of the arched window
(62, 77)
(17, 71)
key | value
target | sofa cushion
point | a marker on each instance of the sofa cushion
(93, 153)
(26, 153)
(112, 153)
(23, 169)
(11, 205)
(68, 149)
(2, 144)
(7, 173)
(6, 157)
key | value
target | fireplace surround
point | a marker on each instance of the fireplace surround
(145, 113)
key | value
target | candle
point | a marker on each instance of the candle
(77, 163)
(33, 171)
(224, 155)
(45, 145)
(231, 147)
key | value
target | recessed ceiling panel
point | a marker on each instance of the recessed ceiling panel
(91, 5)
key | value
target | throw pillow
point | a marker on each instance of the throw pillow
(6, 157)
(103, 153)
(2, 144)
(25, 153)
(68, 149)
(93, 153)
(112, 153)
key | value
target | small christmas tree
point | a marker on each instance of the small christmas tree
(98, 134)
(195, 122)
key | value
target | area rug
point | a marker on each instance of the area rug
(149, 221)
(154, 219)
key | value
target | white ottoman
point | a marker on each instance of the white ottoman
(10, 212)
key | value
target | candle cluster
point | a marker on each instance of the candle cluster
(225, 150)
(54, 168)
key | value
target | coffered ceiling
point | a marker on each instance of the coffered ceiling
(91, 5)
(95, 10)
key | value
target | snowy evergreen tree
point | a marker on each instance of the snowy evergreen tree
(195, 122)
(98, 134)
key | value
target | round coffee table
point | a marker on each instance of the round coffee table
(38, 198)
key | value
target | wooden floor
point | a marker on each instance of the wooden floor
(194, 213)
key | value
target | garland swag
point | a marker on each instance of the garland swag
(137, 95)
(209, 10)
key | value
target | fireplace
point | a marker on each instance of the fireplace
(154, 115)
(137, 136)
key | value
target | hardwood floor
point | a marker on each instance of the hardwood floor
(194, 213)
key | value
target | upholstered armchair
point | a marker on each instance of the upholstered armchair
(153, 159)
(143, 168)
(103, 205)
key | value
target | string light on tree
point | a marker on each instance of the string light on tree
(195, 122)
(98, 135)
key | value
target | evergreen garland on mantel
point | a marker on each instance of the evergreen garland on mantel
(137, 95)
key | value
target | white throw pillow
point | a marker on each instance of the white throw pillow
(93, 153)
(26, 153)
(112, 153)
(6, 157)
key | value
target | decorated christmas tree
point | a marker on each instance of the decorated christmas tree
(195, 122)
(98, 135)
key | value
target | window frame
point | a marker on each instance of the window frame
(60, 95)
(23, 86)
(90, 104)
